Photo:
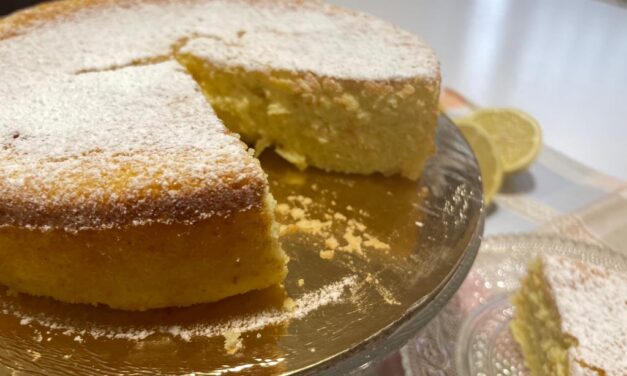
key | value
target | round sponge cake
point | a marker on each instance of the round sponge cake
(121, 185)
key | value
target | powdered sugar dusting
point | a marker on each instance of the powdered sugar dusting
(312, 36)
(592, 302)
(304, 305)
(99, 144)
(67, 138)
(342, 46)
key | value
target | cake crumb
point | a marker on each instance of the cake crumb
(297, 213)
(339, 216)
(356, 225)
(331, 243)
(283, 209)
(301, 282)
(304, 201)
(38, 337)
(258, 335)
(375, 243)
(353, 241)
(309, 226)
(355, 238)
(232, 342)
(289, 304)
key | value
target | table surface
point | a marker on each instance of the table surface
(563, 61)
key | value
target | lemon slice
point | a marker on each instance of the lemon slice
(516, 136)
(487, 156)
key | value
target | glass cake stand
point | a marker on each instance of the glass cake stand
(373, 259)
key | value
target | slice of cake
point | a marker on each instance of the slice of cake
(123, 188)
(571, 319)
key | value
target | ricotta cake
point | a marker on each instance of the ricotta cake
(571, 319)
(121, 184)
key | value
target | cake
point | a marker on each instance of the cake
(571, 319)
(273, 92)
(122, 184)
(168, 210)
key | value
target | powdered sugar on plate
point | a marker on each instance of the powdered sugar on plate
(332, 293)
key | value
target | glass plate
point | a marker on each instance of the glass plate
(470, 335)
(485, 345)
(394, 252)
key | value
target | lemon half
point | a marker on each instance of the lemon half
(487, 156)
(516, 135)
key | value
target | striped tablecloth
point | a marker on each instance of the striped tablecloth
(555, 195)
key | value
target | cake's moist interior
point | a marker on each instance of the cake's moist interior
(317, 121)
(538, 327)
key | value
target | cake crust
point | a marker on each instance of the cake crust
(145, 267)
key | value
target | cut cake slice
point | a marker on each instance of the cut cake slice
(124, 188)
(571, 319)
